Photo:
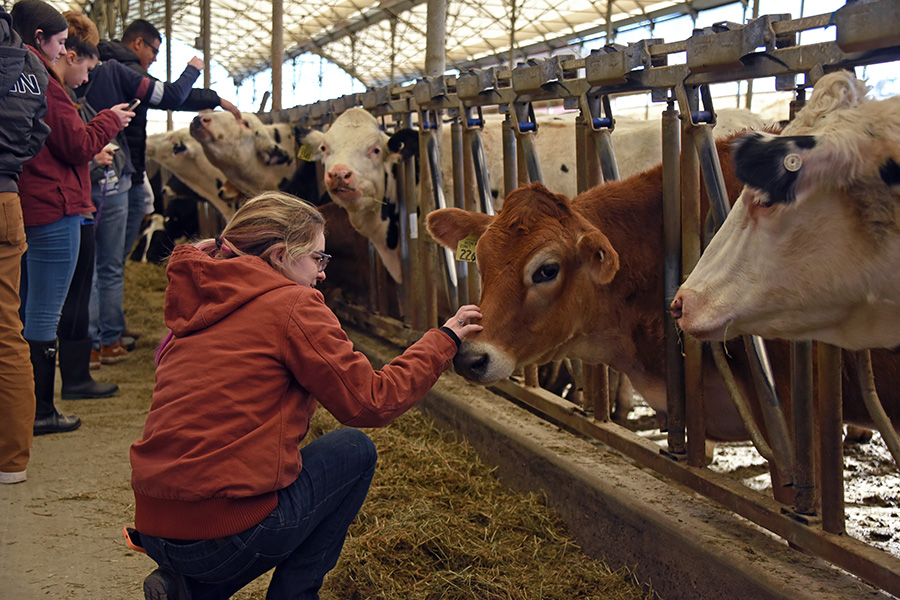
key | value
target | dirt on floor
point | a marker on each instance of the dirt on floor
(441, 528)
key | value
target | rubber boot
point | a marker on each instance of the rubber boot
(46, 418)
(75, 369)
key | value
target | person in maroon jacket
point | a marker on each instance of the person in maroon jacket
(222, 493)
(55, 191)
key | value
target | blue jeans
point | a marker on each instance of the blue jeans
(302, 538)
(136, 196)
(108, 291)
(47, 269)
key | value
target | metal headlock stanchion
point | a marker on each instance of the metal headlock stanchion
(474, 88)
(600, 166)
(473, 126)
(699, 124)
(865, 34)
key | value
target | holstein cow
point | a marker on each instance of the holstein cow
(359, 178)
(183, 156)
(584, 279)
(811, 249)
(254, 156)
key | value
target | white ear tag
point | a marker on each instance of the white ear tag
(793, 162)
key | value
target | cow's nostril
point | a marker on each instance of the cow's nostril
(676, 307)
(472, 366)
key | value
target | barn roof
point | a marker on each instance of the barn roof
(383, 42)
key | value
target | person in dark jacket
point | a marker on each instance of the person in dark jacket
(122, 75)
(138, 50)
(55, 192)
(23, 104)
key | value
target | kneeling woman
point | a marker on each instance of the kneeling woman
(222, 494)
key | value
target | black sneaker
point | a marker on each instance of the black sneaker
(163, 584)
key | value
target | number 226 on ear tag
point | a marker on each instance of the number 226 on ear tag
(465, 249)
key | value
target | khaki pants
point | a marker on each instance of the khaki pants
(16, 376)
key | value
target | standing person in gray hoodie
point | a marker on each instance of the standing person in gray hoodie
(23, 104)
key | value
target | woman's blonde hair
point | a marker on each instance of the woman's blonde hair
(265, 223)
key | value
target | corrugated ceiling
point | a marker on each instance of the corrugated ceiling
(381, 42)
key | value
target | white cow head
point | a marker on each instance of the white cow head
(254, 156)
(359, 178)
(811, 250)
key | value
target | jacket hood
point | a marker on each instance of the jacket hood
(12, 54)
(203, 290)
(117, 50)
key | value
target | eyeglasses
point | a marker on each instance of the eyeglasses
(321, 259)
(151, 46)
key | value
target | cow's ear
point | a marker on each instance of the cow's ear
(598, 255)
(311, 145)
(450, 225)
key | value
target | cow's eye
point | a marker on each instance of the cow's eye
(546, 272)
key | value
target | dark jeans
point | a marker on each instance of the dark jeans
(302, 538)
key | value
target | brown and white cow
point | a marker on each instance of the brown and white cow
(811, 249)
(584, 279)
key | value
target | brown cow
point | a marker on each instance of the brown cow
(584, 279)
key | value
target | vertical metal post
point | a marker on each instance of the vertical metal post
(585, 173)
(407, 209)
(596, 377)
(672, 273)
(473, 283)
(435, 42)
(460, 191)
(802, 418)
(510, 157)
(170, 125)
(435, 62)
(277, 51)
(831, 455)
(110, 18)
(206, 34)
(693, 415)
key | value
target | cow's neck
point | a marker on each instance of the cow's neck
(629, 213)
(367, 217)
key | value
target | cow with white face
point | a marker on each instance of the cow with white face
(183, 156)
(811, 250)
(254, 156)
(359, 177)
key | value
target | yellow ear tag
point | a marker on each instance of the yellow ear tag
(305, 153)
(465, 249)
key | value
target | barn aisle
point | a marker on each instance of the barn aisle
(437, 523)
